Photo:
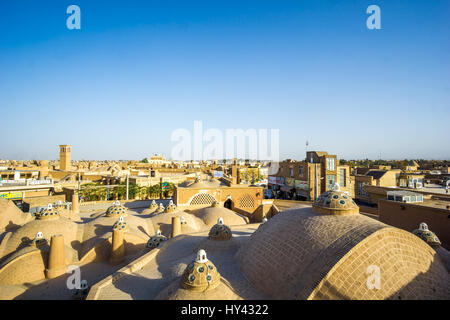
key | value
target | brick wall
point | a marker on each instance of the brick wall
(408, 216)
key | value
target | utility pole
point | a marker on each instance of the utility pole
(128, 189)
(79, 186)
(315, 187)
(306, 149)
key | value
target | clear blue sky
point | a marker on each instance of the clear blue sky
(137, 70)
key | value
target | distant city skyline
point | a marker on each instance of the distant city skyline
(138, 70)
(75, 158)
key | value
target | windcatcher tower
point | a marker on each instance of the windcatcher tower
(65, 157)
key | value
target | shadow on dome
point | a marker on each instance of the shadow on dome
(425, 286)
(11, 227)
(235, 281)
(136, 286)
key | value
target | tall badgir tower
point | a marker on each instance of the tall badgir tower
(64, 157)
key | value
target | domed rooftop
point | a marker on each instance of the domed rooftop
(160, 209)
(171, 207)
(200, 280)
(99, 228)
(151, 209)
(11, 216)
(301, 254)
(49, 213)
(48, 227)
(201, 274)
(39, 240)
(156, 240)
(210, 215)
(190, 223)
(153, 205)
(335, 202)
(426, 235)
(69, 214)
(116, 210)
(204, 184)
(120, 225)
(220, 231)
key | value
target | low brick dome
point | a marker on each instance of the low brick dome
(171, 207)
(220, 231)
(211, 214)
(300, 254)
(427, 235)
(335, 202)
(120, 225)
(201, 274)
(156, 240)
(49, 213)
(11, 216)
(116, 210)
(39, 240)
(160, 209)
(153, 205)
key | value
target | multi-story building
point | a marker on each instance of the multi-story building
(411, 180)
(308, 179)
(380, 178)
(158, 160)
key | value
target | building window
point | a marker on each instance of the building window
(331, 179)
(291, 172)
(300, 171)
(342, 178)
(360, 189)
(330, 164)
(403, 182)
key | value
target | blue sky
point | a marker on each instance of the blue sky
(137, 70)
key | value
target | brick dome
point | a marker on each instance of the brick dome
(299, 254)
(49, 213)
(120, 224)
(11, 216)
(153, 205)
(151, 209)
(156, 240)
(335, 202)
(211, 214)
(160, 209)
(116, 210)
(427, 235)
(171, 207)
(220, 231)
(38, 240)
(201, 274)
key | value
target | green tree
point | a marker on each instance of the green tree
(155, 191)
(168, 192)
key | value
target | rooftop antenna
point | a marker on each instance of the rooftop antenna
(307, 143)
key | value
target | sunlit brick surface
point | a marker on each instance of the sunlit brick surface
(288, 257)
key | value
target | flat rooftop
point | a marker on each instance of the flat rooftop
(428, 203)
